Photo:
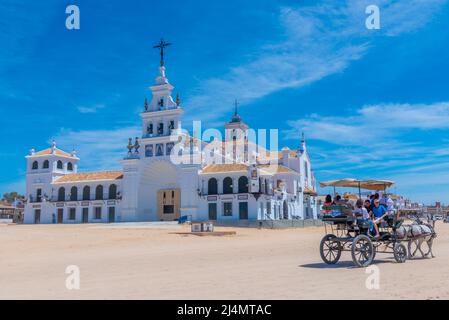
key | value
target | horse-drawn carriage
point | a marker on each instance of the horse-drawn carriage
(347, 232)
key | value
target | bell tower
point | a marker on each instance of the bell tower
(161, 118)
(43, 167)
(236, 129)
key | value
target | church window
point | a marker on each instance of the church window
(113, 191)
(306, 169)
(39, 195)
(212, 186)
(161, 102)
(160, 129)
(72, 213)
(99, 192)
(149, 150)
(61, 194)
(69, 166)
(74, 194)
(279, 184)
(227, 185)
(59, 165)
(243, 184)
(86, 193)
(150, 128)
(159, 150)
(97, 213)
(169, 148)
(46, 164)
(169, 209)
(227, 209)
(171, 126)
(35, 165)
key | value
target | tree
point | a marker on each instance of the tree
(11, 196)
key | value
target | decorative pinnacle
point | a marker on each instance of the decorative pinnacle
(146, 104)
(178, 100)
(130, 145)
(137, 145)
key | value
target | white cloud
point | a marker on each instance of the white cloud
(383, 141)
(407, 16)
(372, 123)
(91, 109)
(316, 41)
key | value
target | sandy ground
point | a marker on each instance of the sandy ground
(153, 263)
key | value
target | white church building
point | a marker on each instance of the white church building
(169, 174)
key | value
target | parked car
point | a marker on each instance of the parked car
(438, 217)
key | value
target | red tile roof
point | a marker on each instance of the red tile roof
(274, 168)
(57, 152)
(231, 167)
(90, 176)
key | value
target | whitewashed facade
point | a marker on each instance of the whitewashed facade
(169, 174)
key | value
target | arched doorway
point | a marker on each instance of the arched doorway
(243, 184)
(227, 186)
(285, 209)
(159, 195)
(212, 186)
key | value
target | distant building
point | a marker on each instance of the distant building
(10, 213)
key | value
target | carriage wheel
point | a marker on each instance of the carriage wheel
(362, 251)
(400, 252)
(330, 250)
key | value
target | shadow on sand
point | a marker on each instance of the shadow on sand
(348, 264)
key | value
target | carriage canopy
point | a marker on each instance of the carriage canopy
(361, 184)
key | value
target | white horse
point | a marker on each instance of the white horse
(417, 233)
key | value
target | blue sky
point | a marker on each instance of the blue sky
(372, 103)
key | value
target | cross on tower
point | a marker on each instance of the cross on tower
(236, 104)
(161, 45)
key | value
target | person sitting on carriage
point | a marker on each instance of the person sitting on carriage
(367, 205)
(373, 198)
(379, 212)
(327, 205)
(337, 199)
(362, 213)
(339, 207)
(392, 211)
